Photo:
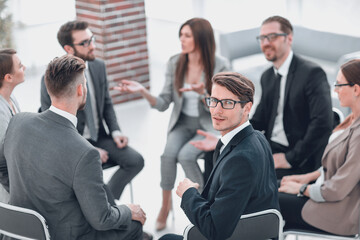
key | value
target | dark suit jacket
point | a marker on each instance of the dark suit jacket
(307, 113)
(103, 100)
(243, 181)
(55, 171)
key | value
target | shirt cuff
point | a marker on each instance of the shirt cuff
(116, 133)
(315, 193)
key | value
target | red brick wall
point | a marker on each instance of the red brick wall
(119, 27)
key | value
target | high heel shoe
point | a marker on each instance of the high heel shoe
(161, 220)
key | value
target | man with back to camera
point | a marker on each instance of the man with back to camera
(243, 180)
(76, 38)
(56, 171)
(295, 107)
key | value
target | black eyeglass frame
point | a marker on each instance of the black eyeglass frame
(85, 43)
(208, 99)
(270, 37)
(337, 85)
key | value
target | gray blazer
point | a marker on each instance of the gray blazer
(339, 213)
(169, 94)
(55, 171)
(5, 116)
(104, 103)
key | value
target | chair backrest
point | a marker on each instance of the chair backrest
(22, 223)
(265, 224)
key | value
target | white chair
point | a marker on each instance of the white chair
(22, 223)
(267, 224)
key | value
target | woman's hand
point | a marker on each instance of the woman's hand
(197, 87)
(290, 187)
(300, 178)
(127, 86)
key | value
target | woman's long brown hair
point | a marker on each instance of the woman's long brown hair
(204, 41)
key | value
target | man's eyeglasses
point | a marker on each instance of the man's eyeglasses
(225, 103)
(338, 85)
(270, 37)
(86, 43)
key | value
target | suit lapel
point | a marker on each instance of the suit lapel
(229, 147)
(342, 137)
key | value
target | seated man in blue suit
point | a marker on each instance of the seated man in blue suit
(243, 179)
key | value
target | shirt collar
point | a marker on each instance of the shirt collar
(284, 68)
(227, 137)
(69, 116)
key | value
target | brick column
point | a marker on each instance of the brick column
(119, 27)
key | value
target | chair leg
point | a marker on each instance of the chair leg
(131, 192)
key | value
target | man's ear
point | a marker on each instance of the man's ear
(357, 90)
(247, 107)
(69, 49)
(80, 90)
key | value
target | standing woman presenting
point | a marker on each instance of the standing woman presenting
(188, 82)
(11, 74)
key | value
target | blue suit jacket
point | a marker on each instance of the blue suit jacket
(243, 181)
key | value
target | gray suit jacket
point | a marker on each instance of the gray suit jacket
(5, 116)
(55, 171)
(104, 103)
(169, 94)
(339, 213)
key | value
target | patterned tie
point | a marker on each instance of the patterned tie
(217, 151)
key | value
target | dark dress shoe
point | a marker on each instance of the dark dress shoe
(147, 236)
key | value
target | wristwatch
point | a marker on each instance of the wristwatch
(302, 190)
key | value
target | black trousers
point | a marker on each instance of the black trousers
(290, 207)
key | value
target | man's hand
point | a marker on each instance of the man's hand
(290, 187)
(185, 185)
(206, 144)
(121, 141)
(103, 155)
(137, 213)
(280, 161)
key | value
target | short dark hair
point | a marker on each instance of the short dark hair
(64, 34)
(236, 83)
(351, 71)
(285, 25)
(61, 75)
(6, 63)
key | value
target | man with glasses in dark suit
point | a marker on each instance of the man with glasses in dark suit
(243, 180)
(295, 111)
(77, 39)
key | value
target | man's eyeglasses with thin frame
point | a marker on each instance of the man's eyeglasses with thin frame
(270, 37)
(338, 85)
(225, 103)
(86, 43)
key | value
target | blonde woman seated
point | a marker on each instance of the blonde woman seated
(329, 199)
(188, 81)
